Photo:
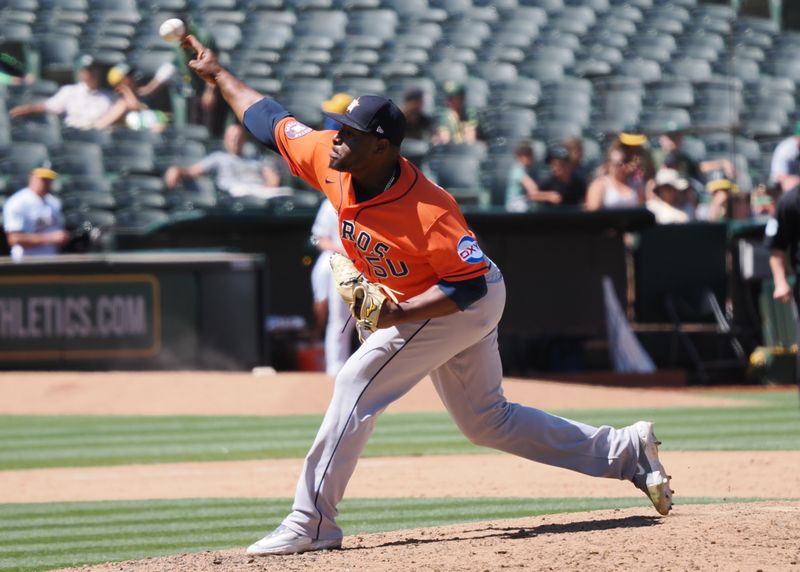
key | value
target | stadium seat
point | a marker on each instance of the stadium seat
(450, 53)
(83, 200)
(556, 54)
(43, 128)
(495, 72)
(360, 85)
(22, 157)
(542, 70)
(693, 69)
(512, 124)
(57, 57)
(559, 39)
(133, 157)
(460, 175)
(614, 25)
(640, 68)
(665, 119)
(94, 218)
(138, 183)
(671, 92)
(140, 217)
(142, 199)
(523, 92)
(80, 159)
(547, 5)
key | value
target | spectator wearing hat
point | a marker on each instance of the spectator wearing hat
(32, 218)
(612, 188)
(786, 161)
(336, 104)
(457, 123)
(669, 197)
(130, 110)
(720, 192)
(641, 166)
(567, 186)
(521, 189)
(81, 104)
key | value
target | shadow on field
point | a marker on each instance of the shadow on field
(512, 533)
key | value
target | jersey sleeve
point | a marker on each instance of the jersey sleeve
(305, 150)
(13, 217)
(453, 251)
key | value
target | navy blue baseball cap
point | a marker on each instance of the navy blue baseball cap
(374, 114)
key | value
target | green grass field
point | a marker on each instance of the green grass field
(52, 535)
(55, 535)
(39, 442)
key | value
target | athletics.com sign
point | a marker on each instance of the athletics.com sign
(79, 316)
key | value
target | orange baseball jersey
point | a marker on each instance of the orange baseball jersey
(408, 238)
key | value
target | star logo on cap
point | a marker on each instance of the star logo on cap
(353, 105)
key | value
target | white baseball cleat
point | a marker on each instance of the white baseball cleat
(650, 477)
(283, 540)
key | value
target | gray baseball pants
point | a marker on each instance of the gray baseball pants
(460, 353)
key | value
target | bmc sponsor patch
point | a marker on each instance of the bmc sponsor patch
(469, 251)
(295, 129)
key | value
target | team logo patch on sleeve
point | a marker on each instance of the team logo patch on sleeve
(469, 251)
(295, 129)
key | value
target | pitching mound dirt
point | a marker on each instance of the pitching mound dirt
(759, 536)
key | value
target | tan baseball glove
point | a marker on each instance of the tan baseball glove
(365, 298)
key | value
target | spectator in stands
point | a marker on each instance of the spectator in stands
(521, 189)
(234, 172)
(129, 110)
(82, 104)
(720, 192)
(336, 104)
(641, 168)
(669, 197)
(670, 154)
(574, 146)
(419, 125)
(563, 180)
(32, 217)
(457, 124)
(786, 160)
(612, 188)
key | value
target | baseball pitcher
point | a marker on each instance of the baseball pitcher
(427, 300)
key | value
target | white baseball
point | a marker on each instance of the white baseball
(172, 30)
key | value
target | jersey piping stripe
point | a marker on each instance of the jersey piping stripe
(408, 190)
(350, 416)
(341, 195)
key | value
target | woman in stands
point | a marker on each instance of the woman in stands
(612, 188)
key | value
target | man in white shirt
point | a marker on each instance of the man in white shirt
(32, 218)
(234, 172)
(81, 104)
(785, 159)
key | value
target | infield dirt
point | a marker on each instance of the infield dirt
(727, 536)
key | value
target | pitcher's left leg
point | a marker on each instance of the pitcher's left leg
(469, 385)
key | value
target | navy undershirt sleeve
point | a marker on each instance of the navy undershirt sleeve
(465, 292)
(261, 118)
